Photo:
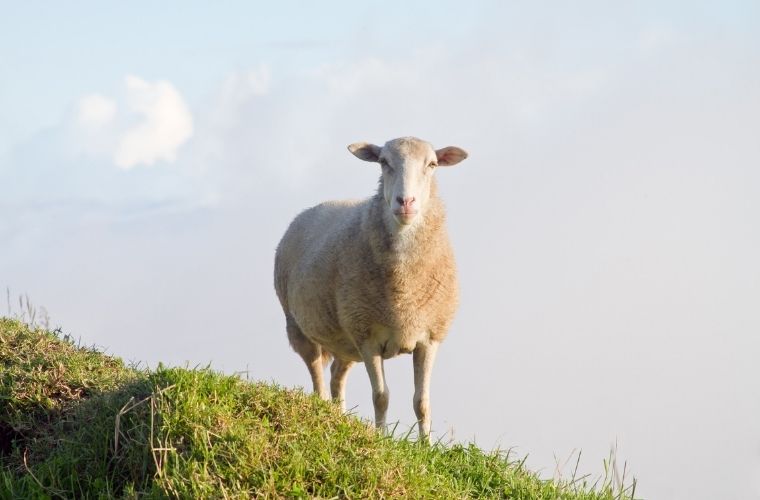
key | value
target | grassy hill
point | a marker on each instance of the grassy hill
(76, 423)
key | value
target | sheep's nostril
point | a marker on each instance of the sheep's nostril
(405, 202)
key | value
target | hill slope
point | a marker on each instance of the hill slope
(77, 423)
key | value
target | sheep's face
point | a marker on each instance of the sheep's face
(408, 166)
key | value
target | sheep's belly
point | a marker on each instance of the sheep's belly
(327, 334)
(390, 342)
(339, 346)
(393, 342)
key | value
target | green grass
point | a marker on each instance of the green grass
(76, 423)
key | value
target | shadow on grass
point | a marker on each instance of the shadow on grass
(98, 445)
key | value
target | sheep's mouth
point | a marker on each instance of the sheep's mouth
(405, 217)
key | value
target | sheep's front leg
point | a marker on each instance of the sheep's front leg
(423, 358)
(380, 393)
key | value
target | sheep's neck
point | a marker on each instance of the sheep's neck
(416, 263)
(396, 247)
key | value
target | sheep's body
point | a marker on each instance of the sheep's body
(357, 286)
(343, 278)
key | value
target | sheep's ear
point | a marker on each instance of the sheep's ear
(365, 151)
(450, 156)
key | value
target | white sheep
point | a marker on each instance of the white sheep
(368, 280)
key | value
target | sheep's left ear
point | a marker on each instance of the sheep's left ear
(365, 151)
(450, 155)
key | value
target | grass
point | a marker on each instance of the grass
(75, 423)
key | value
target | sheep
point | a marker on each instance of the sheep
(364, 281)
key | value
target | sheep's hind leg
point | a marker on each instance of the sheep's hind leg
(313, 355)
(338, 373)
(423, 358)
(373, 361)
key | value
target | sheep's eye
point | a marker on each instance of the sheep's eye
(432, 164)
(385, 164)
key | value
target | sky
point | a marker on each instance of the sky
(606, 224)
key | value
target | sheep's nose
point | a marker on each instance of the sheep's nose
(405, 202)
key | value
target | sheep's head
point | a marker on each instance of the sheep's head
(408, 166)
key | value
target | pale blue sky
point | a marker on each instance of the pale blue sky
(605, 224)
(51, 53)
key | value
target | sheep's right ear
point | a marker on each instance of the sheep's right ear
(365, 151)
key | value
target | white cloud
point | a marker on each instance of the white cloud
(150, 125)
(167, 124)
(92, 128)
(95, 110)
(237, 90)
